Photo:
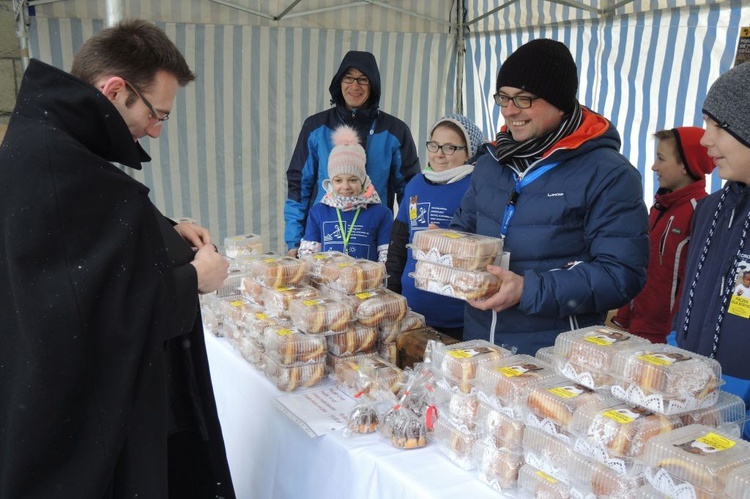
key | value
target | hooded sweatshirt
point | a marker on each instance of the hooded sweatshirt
(391, 154)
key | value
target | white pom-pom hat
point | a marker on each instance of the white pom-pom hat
(348, 156)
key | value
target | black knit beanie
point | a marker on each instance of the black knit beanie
(544, 68)
(728, 105)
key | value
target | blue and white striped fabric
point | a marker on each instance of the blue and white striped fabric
(222, 157)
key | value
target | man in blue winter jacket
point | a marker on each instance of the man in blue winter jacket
(568, 205)
(391, 154)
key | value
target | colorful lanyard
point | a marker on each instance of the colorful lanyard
(510, 208)
(346, 236)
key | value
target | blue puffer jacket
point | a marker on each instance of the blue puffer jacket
(579, 237)
(392, 158)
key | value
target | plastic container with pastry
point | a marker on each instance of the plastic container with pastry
(460, 408)
(665, 379)
(242, 245)
(318, 315)
(457, 249)
(534, 483)
(547, 453)
(728, 413)
(590, 478)
(256, 322)
(585, 355)
(233, 282)
(251, 349)
(354, 339)
(251, 289)
(454, 282)
(616, 435)
(333, 361)
(500, 427)
(381, 374)
(455, 442)
(316, 261)
(234, 308)
(277, 300)
(290, 378)
(551, 404)
(738, 483)
(458, 363)
(505, 383)
(289, 346)
(354, 276)
(695, 460)
(497, 467)
(389, 330)
(278, 271)
(213, 320)
(547, 354)
(379, 305)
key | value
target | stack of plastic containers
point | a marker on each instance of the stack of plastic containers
(243, 245)
(454, 263)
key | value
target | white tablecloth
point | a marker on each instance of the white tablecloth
(271, 457)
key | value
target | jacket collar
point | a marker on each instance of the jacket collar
(664, 198)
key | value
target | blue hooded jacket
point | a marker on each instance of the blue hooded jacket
(391, 154)
(579, 237)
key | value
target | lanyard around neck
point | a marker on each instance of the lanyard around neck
(510, 208)
(345, 236)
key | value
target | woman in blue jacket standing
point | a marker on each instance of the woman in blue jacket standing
(568, 205)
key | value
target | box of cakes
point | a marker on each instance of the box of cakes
(456, 249)
(454, 282)
(243, 245)
(318, 315)
(288, 346)
(354, 276)
(458, 363)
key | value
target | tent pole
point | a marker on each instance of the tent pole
(460, 55)
(115, 11)
(22, 30)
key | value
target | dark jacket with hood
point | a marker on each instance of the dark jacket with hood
(579, 236)
(105, 389)
(391, 154)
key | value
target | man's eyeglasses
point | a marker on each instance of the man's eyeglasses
(362, 80)
(448, 149)
(153, 114)
(520, 101)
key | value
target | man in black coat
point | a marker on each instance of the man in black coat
(104, 383)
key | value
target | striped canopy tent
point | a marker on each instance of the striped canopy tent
(263, 67)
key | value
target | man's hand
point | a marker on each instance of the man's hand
(509, 294)
(293, 252)
(211, 268)
(194, 234)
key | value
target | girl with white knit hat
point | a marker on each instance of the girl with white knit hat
(350, 217)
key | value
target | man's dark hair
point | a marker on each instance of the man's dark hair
(134, 50)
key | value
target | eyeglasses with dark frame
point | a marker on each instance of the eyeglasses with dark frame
(448, 149)
(520, 101)
(362, 80)
(153, 114)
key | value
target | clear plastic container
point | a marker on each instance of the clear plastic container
(547, 354)
(252, 289)
(454, 282)
(231, 285)
(289, 346)
(456, 249)
(390, 329)
(534, 483)
(381, 374)
(257, 320)
(353, 276)
(277, 300)
(459, 362)
(290, 378)
(233, 308)
(333, 361)
(617, 434)
(251, 349)
(278, 271)
(355, 339)
(501, 428)
(587, 353)
(461, 408)
(316, 261)
(506, 382)
(547, 453)
(379, 305)
(318, 315)
(728, 413)
(698, 458)
(738, 483)
(497, 467)
(243, 245)
(590, 477)
(552, 403)
(455, 442)
(665, 379)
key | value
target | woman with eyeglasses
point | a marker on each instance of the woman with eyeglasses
(569, 207)
(430, 200)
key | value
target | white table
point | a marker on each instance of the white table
(271, 457)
